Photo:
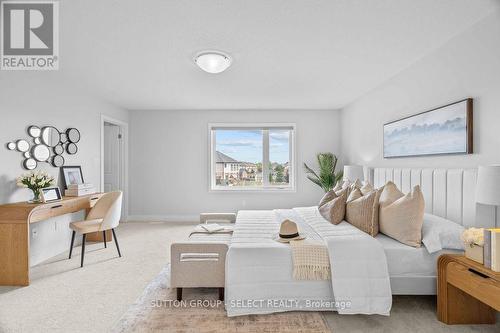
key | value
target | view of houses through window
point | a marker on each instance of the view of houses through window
(252, 157)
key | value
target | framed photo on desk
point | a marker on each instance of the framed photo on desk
(72, 175)
(50, 194)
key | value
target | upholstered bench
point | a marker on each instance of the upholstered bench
(200, 261)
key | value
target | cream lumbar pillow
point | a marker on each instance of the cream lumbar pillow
(402, 216)
(332, 206)
(362, 211)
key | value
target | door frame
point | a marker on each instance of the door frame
(123, 159)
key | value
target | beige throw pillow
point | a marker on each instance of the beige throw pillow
(332, 206)
(401, 216)
(329, 196)
(362, 211)
(390, 193)
(337, 187)
(367, 188)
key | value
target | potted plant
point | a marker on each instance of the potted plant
(473, 239)
(326, 178)
(35, 181)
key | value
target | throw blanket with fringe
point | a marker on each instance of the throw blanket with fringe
(310, 260)
(310, 256)
(361, 275)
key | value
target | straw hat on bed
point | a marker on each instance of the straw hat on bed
(288, 232)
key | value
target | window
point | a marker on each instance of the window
(252, 157)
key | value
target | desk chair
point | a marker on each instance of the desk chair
(103, 216)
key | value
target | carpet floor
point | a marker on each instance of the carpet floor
(63, 297)
(201, 312)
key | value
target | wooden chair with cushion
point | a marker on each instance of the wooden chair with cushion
(103, 216)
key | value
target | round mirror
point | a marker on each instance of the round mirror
(58, 150)
(57, 161)
(11, 146)
(22, 145)
(51, 136)
(64, 138)
(34, 131)
(29, 164)
(73, 135)
(41, 153)
(71, 148)
(27, 154)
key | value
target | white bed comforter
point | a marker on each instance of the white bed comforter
(360, 279)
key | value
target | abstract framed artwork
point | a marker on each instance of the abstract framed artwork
(444, 130)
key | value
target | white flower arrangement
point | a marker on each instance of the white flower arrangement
(473, 236)
(35, 181)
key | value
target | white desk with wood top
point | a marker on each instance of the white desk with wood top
(15, 219)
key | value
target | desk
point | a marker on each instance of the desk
(15, 219)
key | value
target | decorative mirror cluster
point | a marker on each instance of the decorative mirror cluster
(49, 144)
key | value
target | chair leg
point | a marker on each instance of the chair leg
(179, 294)
(83, 249)
(221, 294)
(72, 242)
(116, 242)
(104, 236)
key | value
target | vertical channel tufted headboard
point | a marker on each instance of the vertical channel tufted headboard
(449, 193)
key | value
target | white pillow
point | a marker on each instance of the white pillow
(439, 233)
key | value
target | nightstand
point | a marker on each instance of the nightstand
(467, 292)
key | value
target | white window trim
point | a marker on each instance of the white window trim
(212, 187)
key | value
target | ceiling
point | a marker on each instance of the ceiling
(286, 54)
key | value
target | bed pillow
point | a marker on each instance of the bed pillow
(362, 211)
(402, 218)
(390, 193)
(332, 206)
(329, 196)
(366, 188)
(439, 233)
(337, 187)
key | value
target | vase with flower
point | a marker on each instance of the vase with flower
(473, 239)
(35, 181)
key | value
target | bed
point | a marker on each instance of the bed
(259, 269)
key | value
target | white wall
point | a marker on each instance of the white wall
(169, 162)
(44, 98)
(467, 66)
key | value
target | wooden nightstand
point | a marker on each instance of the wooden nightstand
(467, 292)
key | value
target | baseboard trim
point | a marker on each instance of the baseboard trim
(164, 218)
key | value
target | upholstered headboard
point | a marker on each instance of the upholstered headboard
(449, 193)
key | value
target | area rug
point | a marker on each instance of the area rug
(158, 311)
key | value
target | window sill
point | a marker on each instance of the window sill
(253, 190)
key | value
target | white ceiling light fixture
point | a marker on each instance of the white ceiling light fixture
(213, 61)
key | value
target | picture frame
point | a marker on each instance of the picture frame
(445, 130)
(50, 194)
(71, 175)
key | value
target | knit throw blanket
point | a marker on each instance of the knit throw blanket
(310, 260)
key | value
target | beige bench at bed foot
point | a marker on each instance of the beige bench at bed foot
(200, 261)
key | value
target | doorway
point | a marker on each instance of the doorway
(113, 158)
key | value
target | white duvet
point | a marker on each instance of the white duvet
(259, 269)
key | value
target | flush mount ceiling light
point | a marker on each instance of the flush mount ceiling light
(213, 61)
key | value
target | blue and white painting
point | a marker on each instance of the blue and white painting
(441, 131)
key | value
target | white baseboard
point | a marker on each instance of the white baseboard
(164, 218)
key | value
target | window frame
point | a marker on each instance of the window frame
(266, 187)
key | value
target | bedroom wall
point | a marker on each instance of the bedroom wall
(170, 150)
(466, 66)
(43, 98)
